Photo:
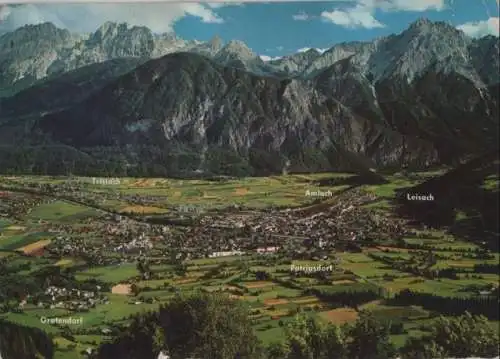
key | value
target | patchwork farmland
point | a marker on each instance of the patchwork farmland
(133, 246)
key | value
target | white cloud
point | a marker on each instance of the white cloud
(361, 13)
(410, 5)
(302, 16)
(159, 17)
(304, 49)
(269, 58)
(481, 28)
(360, 16)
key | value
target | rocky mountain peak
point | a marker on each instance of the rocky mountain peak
(111, 30)
(423, 27)
(409, 54)
(167, 43)
(35, 51)
(216, 43)
(168, 36)
(121, 40)
(312, 51)
(44, 32)
(237, 54)
(296, 63)
(110, 26)
(239, 48)
(421, 23)
(27, 52)
(337, 53)
(42, 28)
(310, 54)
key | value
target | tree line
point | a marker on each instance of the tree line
(486, 305)
(153, 160)
(18, 341)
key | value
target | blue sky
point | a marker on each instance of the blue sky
(270, 29)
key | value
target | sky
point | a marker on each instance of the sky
(271, 29)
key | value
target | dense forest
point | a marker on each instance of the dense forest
(145, 161)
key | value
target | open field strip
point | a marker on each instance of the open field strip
(278, 313)
(110, 274)
(272, 302)
(124, 289)
(258, 284)
(386, 312)
(4, 223)
(60, 211)
(343, 281)
(340, 316)
(34, 247)
(253, 192)
(16, 228)
(153, 283)
(136, 209)
(305, 300)
(19, 240)
(64, 262)
(184, 281)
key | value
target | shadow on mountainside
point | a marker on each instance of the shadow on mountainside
(462, 203)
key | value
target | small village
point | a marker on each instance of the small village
(312, 229)
(75, 300)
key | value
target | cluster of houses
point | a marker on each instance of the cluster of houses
(319, 227)
(314, 230)
(105, 238)
(17, 205)
(71, 299)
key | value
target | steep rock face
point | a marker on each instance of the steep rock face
(120, 40)
(408, 55)
(210, 48)
(168, 43)
(384, 142)
(445, 108)
(337, 53)
(59, 92)
(295, 64)
(110, 41)
(188, 99)
(485, 56)
(237, 54)
(34, 52)
(27, 53)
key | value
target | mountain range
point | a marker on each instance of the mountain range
(125, 99)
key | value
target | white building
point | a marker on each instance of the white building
(267, 249)
(225, 254)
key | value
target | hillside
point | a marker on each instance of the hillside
(218, 109)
